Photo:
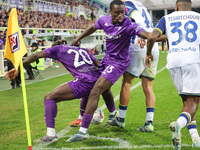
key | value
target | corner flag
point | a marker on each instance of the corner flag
(15, 47)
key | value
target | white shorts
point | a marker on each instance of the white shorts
(186, 79)
(137, 67)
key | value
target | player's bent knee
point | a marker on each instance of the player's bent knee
(48, 96)
(45, 97)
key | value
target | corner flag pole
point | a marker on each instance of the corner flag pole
(15, 49)
(25, 106)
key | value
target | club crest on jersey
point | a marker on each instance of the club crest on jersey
(14, 42)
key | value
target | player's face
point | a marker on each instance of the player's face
(117, 13)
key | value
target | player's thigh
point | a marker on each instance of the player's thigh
(61, 93)
(101, 85)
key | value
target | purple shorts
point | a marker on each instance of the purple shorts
(80, 88)
(112, 70)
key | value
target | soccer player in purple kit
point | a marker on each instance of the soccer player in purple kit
(119, 30)
(82, 65)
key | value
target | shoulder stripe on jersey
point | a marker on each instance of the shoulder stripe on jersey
(126, 9)
(159, 30)
(132, 13)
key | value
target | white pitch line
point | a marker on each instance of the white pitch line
(122, 143)
(39, 80)
(114, 147)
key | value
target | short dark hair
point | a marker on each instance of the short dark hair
(188, 1)
(115, 2)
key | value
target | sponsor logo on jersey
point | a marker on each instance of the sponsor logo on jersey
(113, 37)
(179, 50)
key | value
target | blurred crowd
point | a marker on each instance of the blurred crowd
(36, 19)
(4, 15)
(2, 39)
(32, 19)
(46, 20)
(71, 3)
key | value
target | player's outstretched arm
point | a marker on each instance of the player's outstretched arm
(85, 33)
(162, 38)
(144, 34)
(33, 57)
(142, 42)
(150, 42)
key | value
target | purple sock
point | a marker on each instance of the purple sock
(83, 105)
(50, 112)
(111, 107)
(86, 120)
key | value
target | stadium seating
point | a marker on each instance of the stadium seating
(76, 10)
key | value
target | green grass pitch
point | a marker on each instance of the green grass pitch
(168, 107)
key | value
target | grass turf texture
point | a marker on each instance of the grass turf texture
(168, 107)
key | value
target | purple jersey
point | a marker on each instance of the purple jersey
(78, 61)
(118, 36)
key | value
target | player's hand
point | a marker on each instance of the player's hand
(58, 42)
(141, 42)
(148, 60)
(11, 74)
(64, 41)
(75, 42)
